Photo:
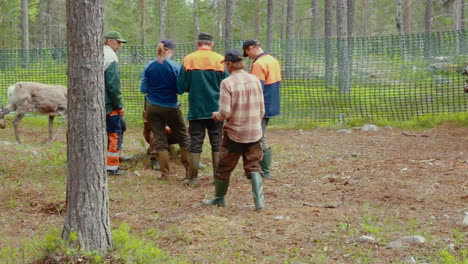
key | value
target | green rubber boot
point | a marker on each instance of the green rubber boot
(257, 190)
(163, 159)
(221, 188)
(192, 176)
(266, 163)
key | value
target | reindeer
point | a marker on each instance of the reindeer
(37, 98)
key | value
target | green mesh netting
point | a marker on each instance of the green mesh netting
(325, 81)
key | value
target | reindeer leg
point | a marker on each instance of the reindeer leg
(51, 128)
(15, 126)
(2, 114)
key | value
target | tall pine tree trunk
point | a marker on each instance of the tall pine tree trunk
(163, 19)
(329, 45)
(228, 34)
(342, 47)
(407, 17)
(270, 16)
(25, 31)
(87, 214)
(291, 19)
(428, 29)
(351, 12)
(143, 21)
(399, 22)
(196, 24)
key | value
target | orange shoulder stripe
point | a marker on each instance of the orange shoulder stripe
(204, 60)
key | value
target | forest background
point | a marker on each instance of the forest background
(42, 23)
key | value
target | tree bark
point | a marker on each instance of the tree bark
(196, 24)
(163, 19)
(427, 29)
(342, 58)
(314, 23)
(351, 12)
(407, 17)
(25, 32)
(329, 47)
(87, 214)
(228, 33)
(270, 17)
(143, 19)
(364, 18)
(399, 22)
(291, 18)
(257, 18)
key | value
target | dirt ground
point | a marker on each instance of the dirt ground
(329, 187)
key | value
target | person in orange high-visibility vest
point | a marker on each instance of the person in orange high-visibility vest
(268, 70)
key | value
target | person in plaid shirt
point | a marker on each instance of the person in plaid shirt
(242, 107)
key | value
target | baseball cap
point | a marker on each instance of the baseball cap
(114, 34)
(248, 43)
(205, 36)
(168, 43)
(232, 55)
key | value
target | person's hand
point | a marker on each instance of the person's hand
(121, 111)
(215, 116)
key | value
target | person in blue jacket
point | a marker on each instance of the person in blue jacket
(159, 83)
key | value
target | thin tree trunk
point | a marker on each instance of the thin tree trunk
(143, 19)
(25, 32)
(427, 29)
(342, 58)
(196, 25)
(329, 46)
(401, 33)
(364, 18)
(163, 19)
(87, 215)
(351, 13)
(407, 17)
(270, 16)
(283, 19)
(228, 34)
(314, 22)
(257, 19)
(291, 18)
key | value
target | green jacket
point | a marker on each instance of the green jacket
(112, 84)
(200, 76)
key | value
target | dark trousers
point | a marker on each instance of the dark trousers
(197, 130)
(159, 117)
(251, 154)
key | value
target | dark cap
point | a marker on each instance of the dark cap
(248, 43)
(232, 55)
(205, 36)
(114, 34)
(168, 43)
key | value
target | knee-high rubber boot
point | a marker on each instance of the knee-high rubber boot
(257, 190)
(194, 165)
(215, 161)
(266, 163)
(185, 160)
(163, 159)
(221, 188)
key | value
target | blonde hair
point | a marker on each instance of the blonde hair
(162, 52)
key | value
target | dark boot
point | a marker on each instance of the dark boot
(155, 164)
(192, 178)
(185, 160)
(257, 190)
(266, 162)
(215, 161)
(163, 159)
(221, 188)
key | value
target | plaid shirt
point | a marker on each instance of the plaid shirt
(241, 104)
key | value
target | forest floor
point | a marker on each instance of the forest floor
(329, 188)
